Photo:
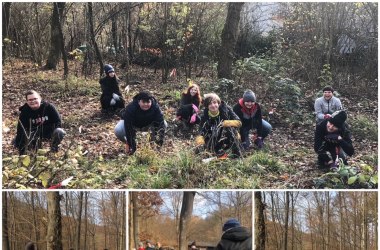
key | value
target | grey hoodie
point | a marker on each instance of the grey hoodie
(323, 106)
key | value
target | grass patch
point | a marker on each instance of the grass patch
(364, 128)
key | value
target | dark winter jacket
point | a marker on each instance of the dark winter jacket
(134, 116)
(250, 118)
(43, 121)
(236, 238)
(323, 144)
(208, 124)
(109, 86)
(188, 99)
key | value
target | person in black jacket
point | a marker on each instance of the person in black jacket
(111, 98)
(332, 140)
(38, 120)
(217, 127)
(235, 237)
(143, 112)
(249, 112)
(190, 103)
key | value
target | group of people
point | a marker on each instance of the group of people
(221, 128)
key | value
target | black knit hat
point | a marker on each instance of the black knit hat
(328, 88)
(108, 68)
(338, 118)
(231, 223)
(249, 96)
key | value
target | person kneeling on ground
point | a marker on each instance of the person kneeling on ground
(38, 120)
(235, 237)
(249, 112)
(216, 127)
(189, 109)
(111, 98)
(332, 136)
(143, 112)
(326, 105)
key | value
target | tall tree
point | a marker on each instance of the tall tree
(54, 232)
(259, 222)
(6, 245)
(93, 39)
(55, 36)
(186, 211)
(5, 19)
(286, 226)
(229, 38)
(79, 221)
(135, 218)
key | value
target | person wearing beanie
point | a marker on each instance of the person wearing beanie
(218, 127)
(111, 98)
(249, 112)
(189, 108)
(234, 237)
(149, 245)
(142, 113)
(326, 105)
(38, 120)
(332, 138)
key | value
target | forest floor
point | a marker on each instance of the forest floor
(91, 153)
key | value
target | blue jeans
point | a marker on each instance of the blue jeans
(244, 132)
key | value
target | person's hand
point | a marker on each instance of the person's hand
(116, 97)
(326, 116)
(193, 118)
(112, 102)
(196, 109)
(231, 123)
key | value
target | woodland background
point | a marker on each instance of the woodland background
(316, 220)
(284, 52)
(64, 220)
(178, 218)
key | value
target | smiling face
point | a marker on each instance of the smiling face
(327, 94)
(213, 106)
(145, 104)
(331, 128)
(194, 91)
(249, 104)
(33, 101)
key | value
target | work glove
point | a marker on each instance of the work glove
(116, 97)
(232, 123)
(259, 143)
(333, 138)
(112, 102)
(196, 109)
(199, 140)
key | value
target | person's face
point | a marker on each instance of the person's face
(249, 104)
(193, 91)
(331, 128)
(327, 95)
(213, 106)
(111, 74)
(33, 101)
(145, 104)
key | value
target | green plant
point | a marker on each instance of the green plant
(364, 128)
(326, 76)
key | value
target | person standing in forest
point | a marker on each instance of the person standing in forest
(111, 98)
(326, 105)
(234, 237)
(189, 107)
(142, 113)
(218, 127)
(149, 245)
(332, 140)
(38, 120)
(249, 112)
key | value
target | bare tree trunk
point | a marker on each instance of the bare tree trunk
(229, 38)
(135, 219)
(5, 19)
(85, 219)
(6, 245)
(287, 202)
(93, 40)
(79, 221)
(35, 226)
(259, 222)
(54, 232)
(124, 222)
(56, 39)
(62, 43)
(186, 211)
